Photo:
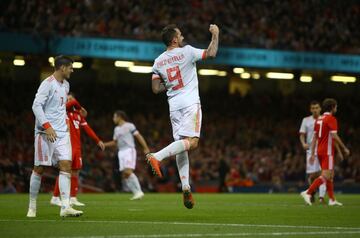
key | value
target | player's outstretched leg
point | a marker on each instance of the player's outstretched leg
(35, 182)
(174, 148)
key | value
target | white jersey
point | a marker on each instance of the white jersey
(307, 127)
(177, 69)
(49, 106)
(124, 136)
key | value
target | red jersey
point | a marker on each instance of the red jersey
(324, 126)
(76, 121)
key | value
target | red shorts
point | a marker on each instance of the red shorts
(76, 160)
(326, 162)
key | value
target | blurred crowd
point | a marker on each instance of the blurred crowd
(245, 141)
(311, 25)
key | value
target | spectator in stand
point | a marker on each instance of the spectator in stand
(317, 25)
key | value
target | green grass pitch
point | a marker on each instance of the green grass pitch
(163, 215)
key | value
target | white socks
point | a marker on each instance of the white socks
(133, 183)
(322, 190)
(182, 161)
(173, 149)
(35, 182)
(64, 187)
(180, 149)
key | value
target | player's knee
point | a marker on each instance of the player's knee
(194, 143)
(126, 173)
(39, 170)
(65, 166)
(326, 175)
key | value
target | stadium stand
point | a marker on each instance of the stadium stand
(317, 25)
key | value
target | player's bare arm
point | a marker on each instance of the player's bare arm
(101, 145)
(214, 44)
(339, 152)
(142, 142)
(110, 144)
(157, 86)
(340, 143)
(303, 143)
(83, 112)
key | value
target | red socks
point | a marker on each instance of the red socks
(330, 189)
(73, 190)
(74, 186)
(56, 188)
(316, 184)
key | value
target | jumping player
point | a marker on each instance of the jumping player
(174, 71)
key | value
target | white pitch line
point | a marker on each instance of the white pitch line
(222, 234)
(135, 210)
(185, 224)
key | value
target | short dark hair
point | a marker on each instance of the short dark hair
(328, 104)
(71, 94)
(314, 102)
(62, 60)
(168, 33)
(121, 114)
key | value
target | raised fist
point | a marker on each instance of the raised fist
(214, 29)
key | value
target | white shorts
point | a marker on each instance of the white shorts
(48, 153)
(312, 168)
(127, 159)
(186, 122)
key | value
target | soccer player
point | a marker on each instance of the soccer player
(325, 135)
(52, 139)
(174, 71)
(123, 138)
(306, 134)
(76, 115)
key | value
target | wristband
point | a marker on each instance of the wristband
(46, 125)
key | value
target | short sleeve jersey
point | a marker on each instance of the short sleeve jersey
(324, 127)
(50, 105)
(177, 69)
(124, 136)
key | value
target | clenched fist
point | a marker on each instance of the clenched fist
(214, 29)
